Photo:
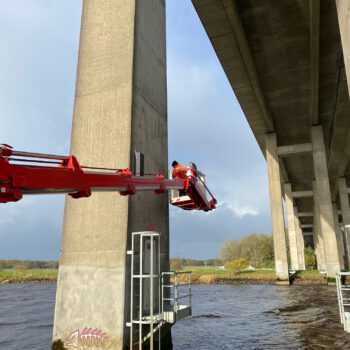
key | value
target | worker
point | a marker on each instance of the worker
(178, 170)
(178, 166)
(177, 174)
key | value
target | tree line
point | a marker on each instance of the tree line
(257, 249)
(28, 264)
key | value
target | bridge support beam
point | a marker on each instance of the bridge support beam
(278, 230)
(345, 212)
(340, 241)
(300, 241)
(120, 105)
(343, 9)
(320, 255)
(324, 202)
(316, 247)
(292, 232)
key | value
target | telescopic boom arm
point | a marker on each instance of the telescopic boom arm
(47, 174)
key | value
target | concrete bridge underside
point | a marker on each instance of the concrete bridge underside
(288, 63)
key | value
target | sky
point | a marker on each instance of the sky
(38, 61)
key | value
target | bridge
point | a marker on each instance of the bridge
(288, 63)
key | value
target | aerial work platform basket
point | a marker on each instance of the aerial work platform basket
(196, 195)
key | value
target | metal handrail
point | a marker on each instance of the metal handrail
(179, 284)
(175, 286)
(180, 296)
(343, 302)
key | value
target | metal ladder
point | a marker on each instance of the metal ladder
(145, 307)
(343, 291)
(154, 296)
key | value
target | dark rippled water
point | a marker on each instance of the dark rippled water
(262, 317)
(26, 316)
(225, 317)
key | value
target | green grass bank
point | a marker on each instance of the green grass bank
(200, 275)
(214, 275)
(28, 276)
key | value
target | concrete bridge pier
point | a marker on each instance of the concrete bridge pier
(278, 230)
(120, 105)
(300, 242)
(343, 10)
(345, 211)
(323, 202)
(340, 241)
(320, 255)
(316, 248)
(292, 228)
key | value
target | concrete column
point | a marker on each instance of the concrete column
(314, 236)
(324, 201)
(292, 235)
(278, 232)
(320, 255)
(345, 211)
(120, 106)
(300, 242)
(340, 241)
(343, 9)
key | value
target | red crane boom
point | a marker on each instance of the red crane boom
(48, 173)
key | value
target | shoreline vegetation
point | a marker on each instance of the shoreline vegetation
(212, 275)
(248, 260)
(200, 275)
(28, 276)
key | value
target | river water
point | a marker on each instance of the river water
(224, 317)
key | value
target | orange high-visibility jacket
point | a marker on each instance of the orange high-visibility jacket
(179, 167)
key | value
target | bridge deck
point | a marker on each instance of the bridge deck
(284, 61)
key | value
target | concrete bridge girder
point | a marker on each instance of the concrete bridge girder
(285, 65)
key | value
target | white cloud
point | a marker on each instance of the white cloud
(238, 211)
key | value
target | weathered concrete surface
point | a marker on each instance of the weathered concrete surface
(343, 10)
(292, 234)
(285, 62)
(278, 231)
(300, 242)
(345, 212)
(340, 241)
(321, 262)
(120, 106)
(324, 202)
